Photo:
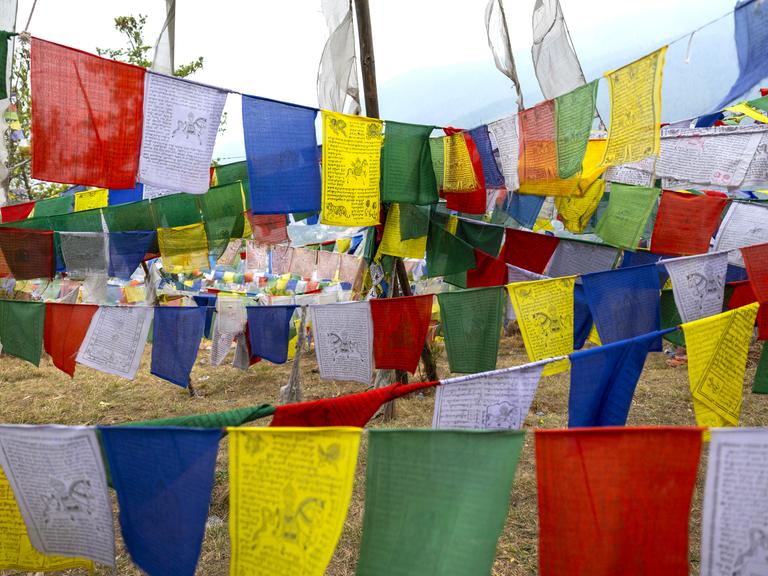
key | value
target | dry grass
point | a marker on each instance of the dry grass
(45, 395)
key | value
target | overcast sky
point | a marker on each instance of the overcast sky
(272, 47)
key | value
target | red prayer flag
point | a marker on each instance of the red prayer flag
(87, 115)
(65, 328)
(685, 223)
(488, 271)
(756, 261)
(16, 212)
(529, 250)
(537, 162)
(268, 228)
(26, 254)
(744, 294)
(350, 410)
(615, 500)
(400, 327)
(473, 202)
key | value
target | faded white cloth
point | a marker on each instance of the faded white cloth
(343, 335)
(84, 253)
(698, 284)
(162, 61)
(498, 41)
(337, 86)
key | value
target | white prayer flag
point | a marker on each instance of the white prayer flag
(504, 134)
(572, 258)
(743, 225)
(698, 284)
(343, 335)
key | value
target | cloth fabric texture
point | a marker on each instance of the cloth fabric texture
(269, 228)
(491, 173)
(269, 331)
(529, 250)
(127, 251)
(400, 327)
(176, 335)
(218, 420)
(15, 212)
(685, 223)
(756, 261)
(629, 208)
(483, 236)
(183, 248)
(64, 330)
(471, 201)
(21, 329)
(26, 254)
(524, 208)
(414, 221)
(407, 175)
(574, 112)
(447, 254)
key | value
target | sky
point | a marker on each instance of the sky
(272, 48)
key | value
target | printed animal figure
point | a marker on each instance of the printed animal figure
(343, 347)
(330, 455)
(501, 415)
(707, 283)
(294, 524)
(754, 561)
(193, 127)
(551, 321)
(338, 126)
(67, 501)
(358, 172)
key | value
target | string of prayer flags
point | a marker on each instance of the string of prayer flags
(351, 168)
(15, 212)
(572, 257)
(538, 146)
(407, 175)
(743, 224)
(459, 175)
(624, 302)
(629, 208)
(282, 156)
(176, 335)
(627, 502)
(524, 208)
(603, 380)
(347, 410)
(392, 242)
(491, 174)
(269, 228)
(635, 94)
(575, 212)
(529, 250)
(127, 251)
(102, 351)
(400, 327)
(485, 237)
(751, 37)
(16, 551)
(65, 327)
(698, 284)
(756, 261)
(717, 349)
(21, 329)
(472, 321)
(492, 400)
(504, 134)
(183, 248)
(84, 253)
(343, 336)
(87, 120)
(269, 331)
(574, 112)
(409, 478)
(544, 312)
(91, 199)
(289, 493)
(685, 223)
(163, 478)
(26, 254)
(57, 476)
(446, 254)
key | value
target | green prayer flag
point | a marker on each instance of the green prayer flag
(4, 37)
(406, 164)
(222, 209)
(472, 321)
(21, 329)
(128, 217)
(54, 206)
(760, 383)
(233, 172)
(447, 254)
(484, 237)
(670, 317)
(629, 208)
(436, 500)
(574, 113)
(436, 152)
(236, 417)
(175, 210)
(85, 221)
(299, 216)
(414, 221)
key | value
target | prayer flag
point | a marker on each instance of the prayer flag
(629, 208)
(615, 500)
(414, 221)
(400, 327)
(269, 331)
(54, 206)
(91, 199)
(127, 251)
(698, 284)
(283, 159)
(446, 514)
(529, 250)
(21, 329)
(756, 261)
(472, 322)
(447, 254)
(26, 254)
(482, 141)
(573, 257)
(163, 478)
(603, 380)
(576, 211)
(624, 302)
(64, 330)
(407, 175)
(744, 224)
(538, 145)
(717, 360)
(574, 112)
(176, 335)
(15, 212)
(87, 117)
(459, 173)
(289, 493)
(351, 168)
(544, 312)
(269, 228)
(183, 248)
(343, 336)
(485, 237)
(760, 382)
(741, 295)
(524, 208)
(84, 253)
(470, 201)
(504, 133)
(685, 223)
(218, 420)
(391, 242)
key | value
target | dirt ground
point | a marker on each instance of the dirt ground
(44, 395)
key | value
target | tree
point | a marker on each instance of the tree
(20, 184)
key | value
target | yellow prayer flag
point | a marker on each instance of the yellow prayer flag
(459, 174)
(392, 244)
(575, 186)
(90, 199)
(16, 550)
(343, 245)
(717, 360)
(351, 156)
(452, 226)
(289, 493)
(183, 248)
(576, 211)
(747, 110)
(544, 312)
(134, 294)
(635, 93)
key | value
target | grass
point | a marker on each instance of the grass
(44, 395)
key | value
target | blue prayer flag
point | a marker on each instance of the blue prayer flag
(624, 302)
(207, 301)
(163, 478)
(282, 154)
(491, 174)
(176, 336)
(751, 35)
(269, 331)
(582, 317)
(603, 380)
(125, 195)
(127, 251)
(524, 208)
